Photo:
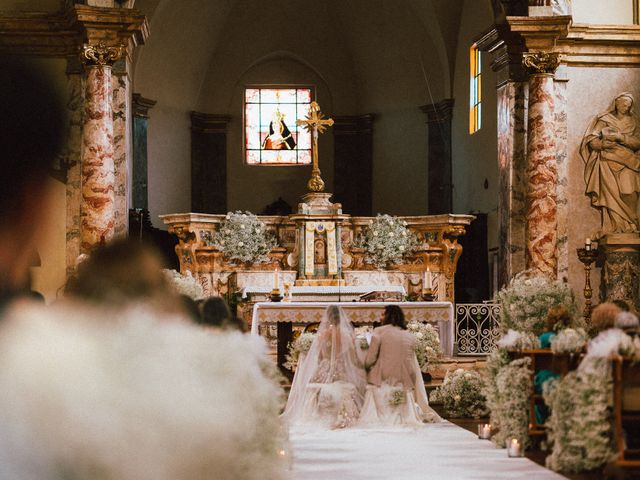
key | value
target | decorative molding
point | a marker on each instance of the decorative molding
(353, 124)
(101, 55)
(601, 46)
(141, 105)
(439, 112)
(541, 62)
(540, 33)
(209, 122)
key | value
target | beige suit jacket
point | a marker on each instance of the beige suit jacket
(391, 357)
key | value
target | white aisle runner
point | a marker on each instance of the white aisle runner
(434, 451)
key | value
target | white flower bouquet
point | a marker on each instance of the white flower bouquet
(527, 299)
(428, 348)
(461, 394)
(298, 347)
(243, 237)
(387, 240)
(185, 284)
(514, 340)
(569, 340)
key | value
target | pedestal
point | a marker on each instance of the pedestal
(621, 272)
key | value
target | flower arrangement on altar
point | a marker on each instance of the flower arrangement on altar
(243, 237)
(300, 346)
(569, 340)
(386, 241)
(185, 284)
(428, 348)
(461, 394)
(527, 299)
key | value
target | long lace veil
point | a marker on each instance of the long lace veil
(331, 358)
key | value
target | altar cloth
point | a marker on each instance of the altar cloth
(327, 289)
(359, 313)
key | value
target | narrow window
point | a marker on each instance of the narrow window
(475, 90)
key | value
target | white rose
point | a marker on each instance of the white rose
(404, 233)
(401, 248)
(456, 398)
(242, 227)
(227, 217)
(391, 234)
(240, 244)
(419, 335)
(257, 230)
(375, 233)
(221, 242)
(370, 222)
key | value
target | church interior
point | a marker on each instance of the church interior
(474, 162)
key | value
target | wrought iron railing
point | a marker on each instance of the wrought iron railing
(477, 327)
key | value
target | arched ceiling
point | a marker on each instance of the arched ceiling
(375, 43)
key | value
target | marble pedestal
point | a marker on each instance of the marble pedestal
(621, 270)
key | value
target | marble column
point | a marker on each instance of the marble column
(542, 169)
(440, 163)
(141, 107)
(98, 170)
(353, 158)
(121, 106)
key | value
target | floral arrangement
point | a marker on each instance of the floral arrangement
(185, 284)
(299, 346)
(397, 397)
(569, 340)
(507, 392)
(428, 348)
(613, 342)
(515, 340)
(243, 237)
(527, 299)
(387, 240)
(461, 394)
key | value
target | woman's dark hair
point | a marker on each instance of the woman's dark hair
(393, 315)
(215, 312)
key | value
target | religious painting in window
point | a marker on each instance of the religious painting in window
(475, 90)
(271, 133)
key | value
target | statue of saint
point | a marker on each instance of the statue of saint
(610, 150)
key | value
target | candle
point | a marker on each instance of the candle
(587, 244)
(484, 431)
(515, 448)
(428, 285)
(276, 279)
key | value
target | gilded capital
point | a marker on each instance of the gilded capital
(101, 54)
(540, 62)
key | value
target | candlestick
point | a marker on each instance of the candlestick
(587, 244)
(276, 279)
(587, 256)
(484, 431)
(428, 283)
(514, 448)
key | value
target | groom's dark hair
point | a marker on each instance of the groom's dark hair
(393, 315)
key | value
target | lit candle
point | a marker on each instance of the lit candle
(515, 448)
(276, 279)
(484, 431)
(428, 285)
(587, 244)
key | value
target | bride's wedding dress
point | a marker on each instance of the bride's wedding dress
(329, 385)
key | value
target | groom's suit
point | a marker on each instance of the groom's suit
(391, 357)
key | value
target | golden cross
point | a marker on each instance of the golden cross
(315, 123)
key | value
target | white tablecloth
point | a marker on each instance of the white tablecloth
(328, 290)
(359, 313)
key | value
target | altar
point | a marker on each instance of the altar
(286, 315)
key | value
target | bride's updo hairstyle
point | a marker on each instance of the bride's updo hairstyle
(333, 314)
(393, 315)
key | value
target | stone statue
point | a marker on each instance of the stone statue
(610, 150)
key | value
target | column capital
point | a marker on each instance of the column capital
(101, 54)
(141, 105)
(439, 112)
(541, 62)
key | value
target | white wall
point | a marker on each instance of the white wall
(603, 11)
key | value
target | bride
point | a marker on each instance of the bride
(329, 385)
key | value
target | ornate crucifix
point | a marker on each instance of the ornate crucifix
(315, 123)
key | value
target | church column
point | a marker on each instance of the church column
(98, 170)
(542, 168)
(141, 107)
(209, 162)
(353, 158)
(439, 163)
(122, 149)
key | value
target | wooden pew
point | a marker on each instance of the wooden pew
(626, 375)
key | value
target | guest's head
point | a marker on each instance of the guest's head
(624, 306)
(603, 317)
(627, 321)
(558, 318)
(190, 307)
(32, 124)
(215, 313)
(393, 315)
(333, 315)
(121, 273)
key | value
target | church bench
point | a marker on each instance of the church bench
(626, 413)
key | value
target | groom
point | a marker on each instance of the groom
(392, 351)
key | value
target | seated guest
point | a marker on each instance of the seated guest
(216, 314)
(558, 318)
(603, 317)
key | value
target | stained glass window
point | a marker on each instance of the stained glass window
(475, 90)
(271, 135)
